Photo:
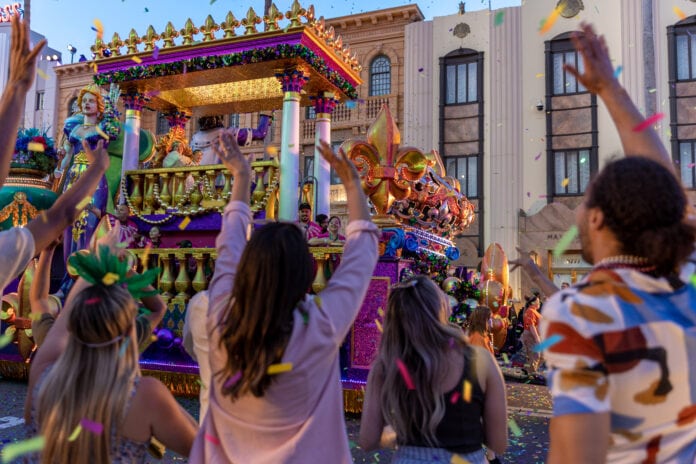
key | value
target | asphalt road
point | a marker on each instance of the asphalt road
(529, 406)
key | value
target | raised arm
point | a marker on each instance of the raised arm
(22, 70)
(530, 268)
(38, 296)
(235, 219)
(598, 77)
(48, 226)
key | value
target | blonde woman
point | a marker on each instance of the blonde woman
(441, 395)
(86, 373)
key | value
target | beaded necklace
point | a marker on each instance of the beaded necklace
(637, 263)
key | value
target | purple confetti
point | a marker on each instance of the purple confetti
(155, 53)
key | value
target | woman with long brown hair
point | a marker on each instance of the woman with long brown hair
(276, 391)
(441, 395)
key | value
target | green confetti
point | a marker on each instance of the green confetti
(14, 450)
(6, 339)
(565, 241)
(693, 280)
(506, 360)
(499, 16)
(514, 428)
(212, 1)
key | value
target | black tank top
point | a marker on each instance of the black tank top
(461, 428)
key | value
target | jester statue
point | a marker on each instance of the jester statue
(97, 119)
(211, 126)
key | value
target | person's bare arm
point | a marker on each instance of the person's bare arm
(38, 292)
(22, 70)
(579, 438)
(372, 420)
(64, 211)
(495, 402)
(171, 424)
(546, 286)
(346, 171)
(598, 78)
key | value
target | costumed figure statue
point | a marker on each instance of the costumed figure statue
(172, 150)
(211, 126)
(97, 119)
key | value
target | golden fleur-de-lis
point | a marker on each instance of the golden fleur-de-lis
(295, 13)
(115, 45)
(150, 38)
(386, 169)
(229, 25)
(271, 20)
(132, 42)
(188, 32)
(250, 22)
(208, 29)
(169, 34)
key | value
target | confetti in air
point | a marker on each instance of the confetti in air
(456, 459)
(566, 240)
(499, 17)
(76, 433)
(379, 326)
(279, 368)
(6, 339)
(137, 59)
(549, 342)
(618, 70)
(680, 14)
(455, 397)
(14, 450)
(93, 301)
(536, 158)
(98, 28)
(83, 203)
(122, 351)
(232, 380)
(466, 391)
(406, 376)
(565, 182)
(212, 439)
(514, 428)
(91, 426)
(184, 224)
(550, 20)
(654, 119)
(155, 53)
(41, 74)
(35, 146)
(146, 10)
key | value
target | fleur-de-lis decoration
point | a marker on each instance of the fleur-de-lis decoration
(385, 168)
(271, 20)
(229, 25)
(208, 29)
(132, 42)
(188, 32)
(150, 38)
(330, 35)
(295, 13)
(338, 44)
(345, 53)
(98, 48)
(320, 27)
(169, 34)
(250, 22)
(115, 45)
(309, 15)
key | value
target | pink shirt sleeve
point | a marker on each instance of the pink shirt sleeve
(343, 296)
(230, 243)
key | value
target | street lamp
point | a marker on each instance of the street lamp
(72, 51)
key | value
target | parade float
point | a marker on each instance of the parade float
(418, 207)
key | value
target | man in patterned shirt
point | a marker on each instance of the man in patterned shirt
(622, 342)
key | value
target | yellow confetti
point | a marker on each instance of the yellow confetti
(14, 450)
(35, 146)
(41, 74)
(84, 202)
(539, 75)
(379, 326)
(565, 182)
(456, 459)
(94, 67)
(101, 133)
(184, 224)
(279, 368)
(514, 428)
(271, 150)
(551, 20)
(76, 433)
(110, 278)
(137, 59)
(380, 312)
(98, 27)
(680, 14)
(467, 391)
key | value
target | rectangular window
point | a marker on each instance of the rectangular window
(462, 83)
(310, 112)
(465, 170)
(571, 171)
(563, 81)
(162, 124)
(234, 120)
(40, 100)
(687, 160)
(685, 42)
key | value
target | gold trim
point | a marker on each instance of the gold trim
(131, 113)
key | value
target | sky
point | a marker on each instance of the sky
(66, 22)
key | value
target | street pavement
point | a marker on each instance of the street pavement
(529, 410)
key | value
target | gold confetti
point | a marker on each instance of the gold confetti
(456, 459)
(137, 59)
(565, 182)
(317, 300)
(101, 133)
(539, 75)
(76, 433)
(83, 203)
(184, 224)
(380, 312)
(41, 74)
(271, 150)
(379, 326)
(93, 65)
(110, 278)
(551, 20)
(279, 368)
(677, 11)
(35, 146)
(466, 394)
(98, 27)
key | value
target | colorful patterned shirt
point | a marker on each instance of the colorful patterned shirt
(627, 347)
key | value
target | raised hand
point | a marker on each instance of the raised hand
(231, 156)
(523, 260)
(22, 57)
(598, 73)
(345, 169)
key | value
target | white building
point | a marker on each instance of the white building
(488, 90)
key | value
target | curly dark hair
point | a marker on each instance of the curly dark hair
(643, 205)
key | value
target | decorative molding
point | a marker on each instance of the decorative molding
(570, 8)
(461, 30)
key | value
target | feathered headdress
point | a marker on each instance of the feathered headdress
(105, 268)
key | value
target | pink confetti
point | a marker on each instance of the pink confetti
(233, 380)
(212, 439)
(536, 158)
(93, 300)
(691, 165)
(406, 376)
(94, 427)
(649, 122)
(529, 194)
(455, 397)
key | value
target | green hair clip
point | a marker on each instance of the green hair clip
(105, 268)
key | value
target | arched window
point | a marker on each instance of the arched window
(380, 76)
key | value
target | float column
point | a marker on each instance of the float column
(134, 103)
(292, 81)
(324, 105)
